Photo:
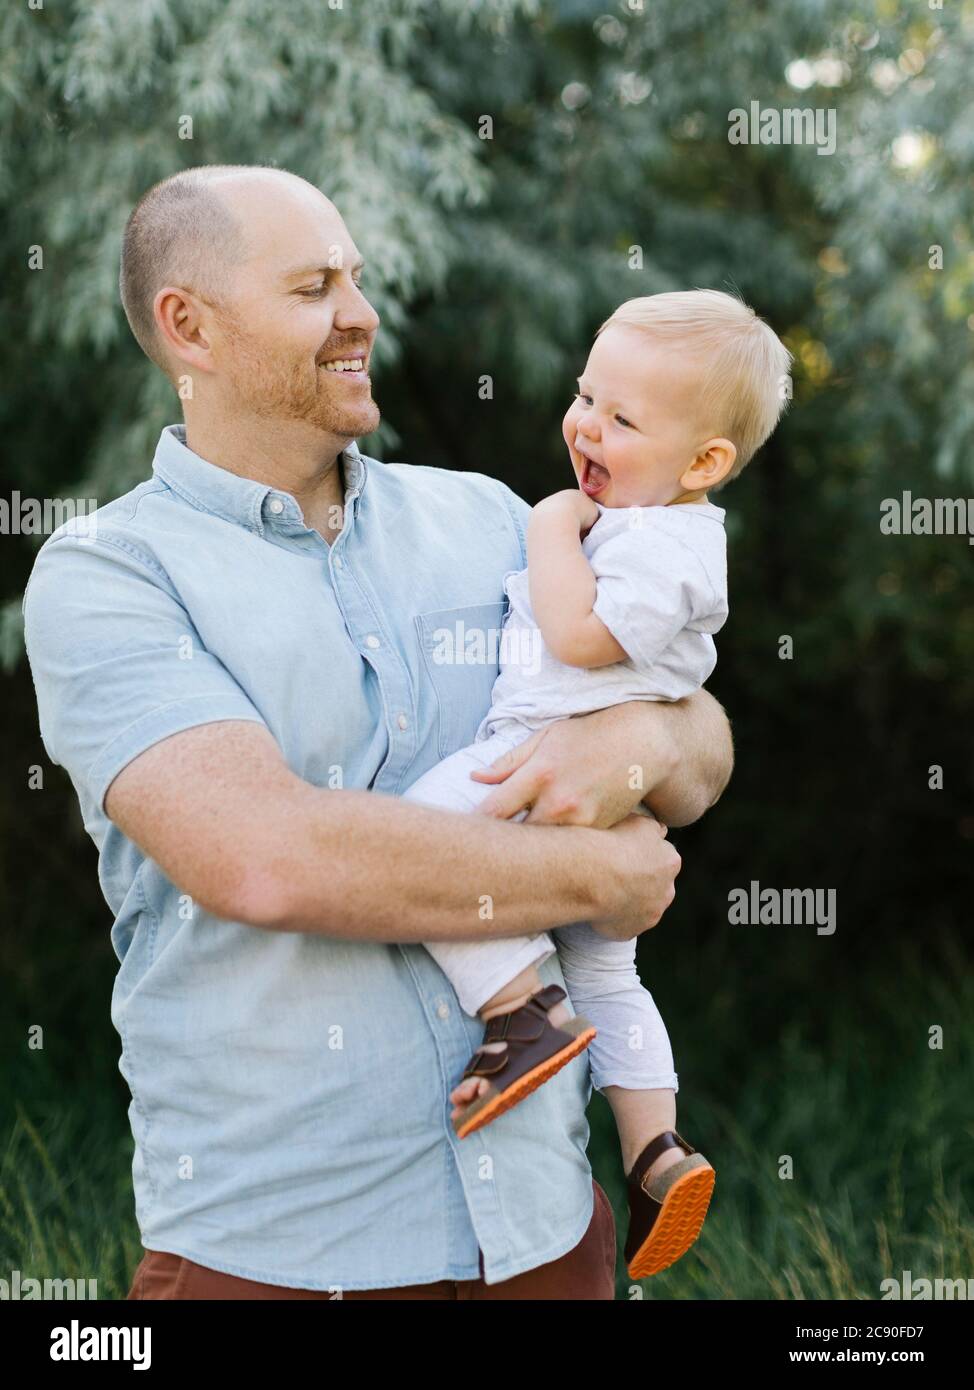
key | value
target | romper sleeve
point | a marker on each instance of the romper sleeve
(650, 586)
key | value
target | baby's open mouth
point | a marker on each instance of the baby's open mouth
(594, 477)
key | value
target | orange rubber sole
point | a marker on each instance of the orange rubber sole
(677, 1225)
(490, 1107)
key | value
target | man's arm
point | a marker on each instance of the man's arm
(226, 820)
(692, 739)
(595, 768)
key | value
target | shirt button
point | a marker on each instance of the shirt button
(276, 506)
(403, 722)
(371, 640)
(443, 1011)
(339, 563)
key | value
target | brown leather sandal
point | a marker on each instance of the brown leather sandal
(665, 1215)
(534, 1050)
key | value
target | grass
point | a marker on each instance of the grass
(879, 1130)
(832, 1070)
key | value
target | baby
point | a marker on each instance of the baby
(626, 585)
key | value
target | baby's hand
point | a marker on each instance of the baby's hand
(576, 503)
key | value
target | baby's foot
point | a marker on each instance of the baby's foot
(471, 1088)
(667, 1203)
(522, 1048)
(666, 1160)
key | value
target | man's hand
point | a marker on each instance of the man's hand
(595, 768)
(573, 772)
(644, 865)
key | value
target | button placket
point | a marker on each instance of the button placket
(360, 611)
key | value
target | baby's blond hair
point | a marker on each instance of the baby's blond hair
(746, 383)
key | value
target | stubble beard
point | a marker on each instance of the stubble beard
(270, 389)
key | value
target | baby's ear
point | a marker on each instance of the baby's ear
(711, 466)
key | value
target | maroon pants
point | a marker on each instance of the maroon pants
(586, 1272)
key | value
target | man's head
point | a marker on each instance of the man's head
(246, 280)
(679, 392)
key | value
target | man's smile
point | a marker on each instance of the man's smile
(353, 367)
(344, 364)
(350, 369)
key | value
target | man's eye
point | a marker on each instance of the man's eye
(318, 290)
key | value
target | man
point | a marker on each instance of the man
(235, 667)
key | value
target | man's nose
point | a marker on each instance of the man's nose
(355, 312)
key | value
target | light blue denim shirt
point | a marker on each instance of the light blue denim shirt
(290, 1091)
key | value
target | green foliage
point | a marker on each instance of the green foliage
(869, 1116)
(94, 100)
(609, 132)
(500, 256)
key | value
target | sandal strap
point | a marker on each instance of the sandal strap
(486, 1063)
(524, 1025)
(528, 1022)
(669, 1139)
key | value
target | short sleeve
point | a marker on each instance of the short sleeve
(650, 586)
(520, 514)
(116, 661)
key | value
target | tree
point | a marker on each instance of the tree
(513, 169)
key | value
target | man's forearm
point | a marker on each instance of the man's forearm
(364, 865)
(225, 819)
(688, 758)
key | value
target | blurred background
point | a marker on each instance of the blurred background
(512, 170)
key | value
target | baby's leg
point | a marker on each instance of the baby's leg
(492, 977)
(630, 1057)
(486, 974)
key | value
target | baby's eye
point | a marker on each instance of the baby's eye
(587, 400)
(623, 421)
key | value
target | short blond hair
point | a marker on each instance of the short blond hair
(747, 381)
(181, 231)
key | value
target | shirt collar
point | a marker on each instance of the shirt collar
(243, 500)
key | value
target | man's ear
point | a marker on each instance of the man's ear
(180, 324)
(710, 467)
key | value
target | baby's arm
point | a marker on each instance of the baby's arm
(562, 583)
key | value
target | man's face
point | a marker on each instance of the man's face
(297, 312)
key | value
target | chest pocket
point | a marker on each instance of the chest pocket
(461, 649)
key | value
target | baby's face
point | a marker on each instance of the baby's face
(633, 429)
